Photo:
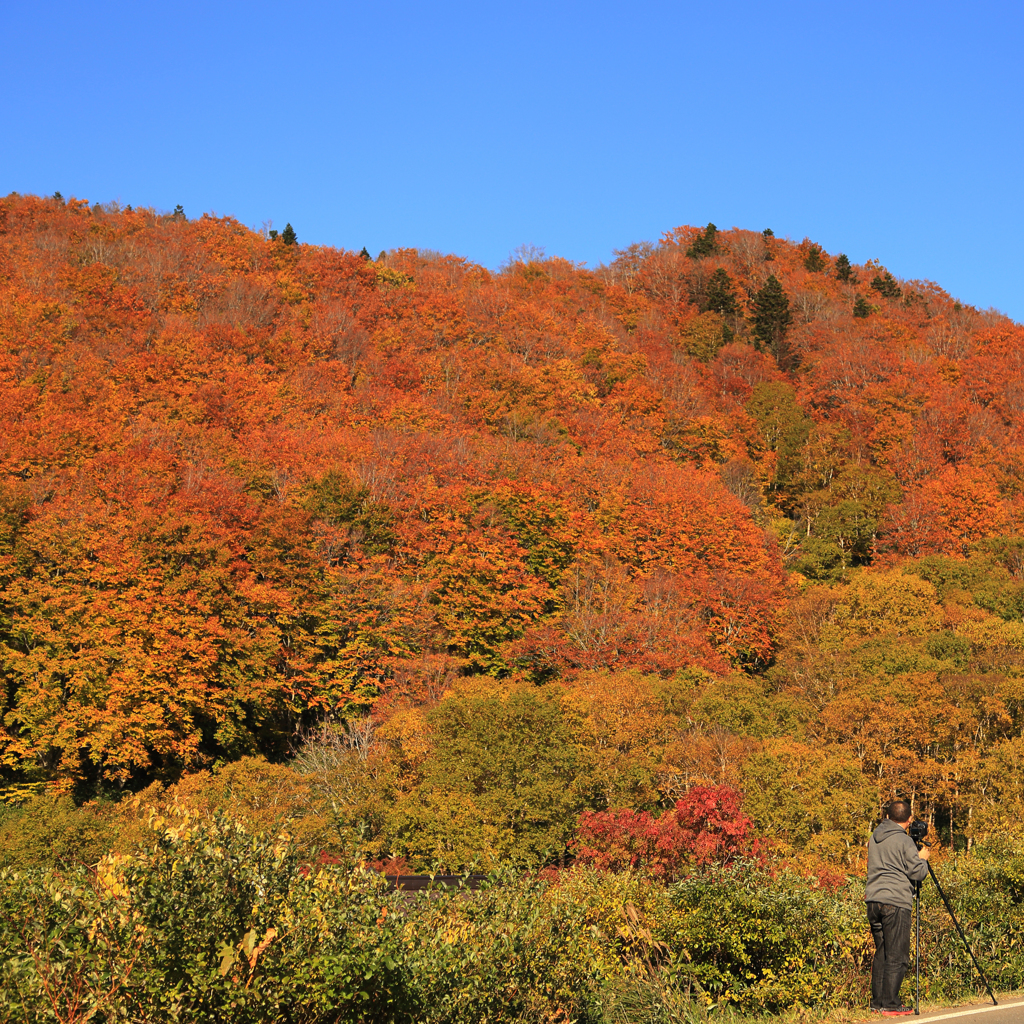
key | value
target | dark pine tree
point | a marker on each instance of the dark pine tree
(720, 297)
(704, 244)
(288, 236)
(179, 213)
(273, 234)
(772, 319)
(886, 286)
(364, 252)
(814, 261)
(844, 271)
(861, 308)
(58, 197)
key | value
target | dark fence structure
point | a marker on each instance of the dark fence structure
(424, 883)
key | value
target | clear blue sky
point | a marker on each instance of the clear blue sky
(886, 130)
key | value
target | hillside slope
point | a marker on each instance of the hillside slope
(245, 485)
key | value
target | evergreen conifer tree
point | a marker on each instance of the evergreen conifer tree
(861, 308)
(772, 317)
(886, 286)
(844, 272)
(58, 197)
(179, 213)
(288, 236)
(720, 297)
(272, 233)
(365, 253)
(814, 261)
(705, 244)
(768, 233)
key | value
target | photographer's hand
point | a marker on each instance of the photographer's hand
(925, 852)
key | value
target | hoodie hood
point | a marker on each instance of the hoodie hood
(886, 830)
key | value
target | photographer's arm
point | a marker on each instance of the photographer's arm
(916, 861)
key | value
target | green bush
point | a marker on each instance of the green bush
(506, 953)
(987, 896)
(215, 924)
(767, 942)
(48, 830)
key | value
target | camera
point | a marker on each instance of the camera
(918, 830)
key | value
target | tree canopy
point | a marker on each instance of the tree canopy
(718, 487)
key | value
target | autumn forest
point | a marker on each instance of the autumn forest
(429, 560)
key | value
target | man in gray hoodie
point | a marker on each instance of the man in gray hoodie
(895, 866)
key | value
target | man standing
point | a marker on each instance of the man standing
(895, 866)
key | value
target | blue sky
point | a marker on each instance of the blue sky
(886, 130)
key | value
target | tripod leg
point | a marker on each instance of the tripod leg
(917, 950)
(949, 910)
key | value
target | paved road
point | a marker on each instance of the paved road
(1012, 1012)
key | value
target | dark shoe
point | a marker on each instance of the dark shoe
(897, 1011)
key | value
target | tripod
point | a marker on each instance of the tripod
(917, 948)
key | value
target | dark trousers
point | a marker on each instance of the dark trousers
(890, 928)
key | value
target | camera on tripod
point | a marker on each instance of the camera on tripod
(917, 831)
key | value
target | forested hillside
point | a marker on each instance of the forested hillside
(460, 554)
